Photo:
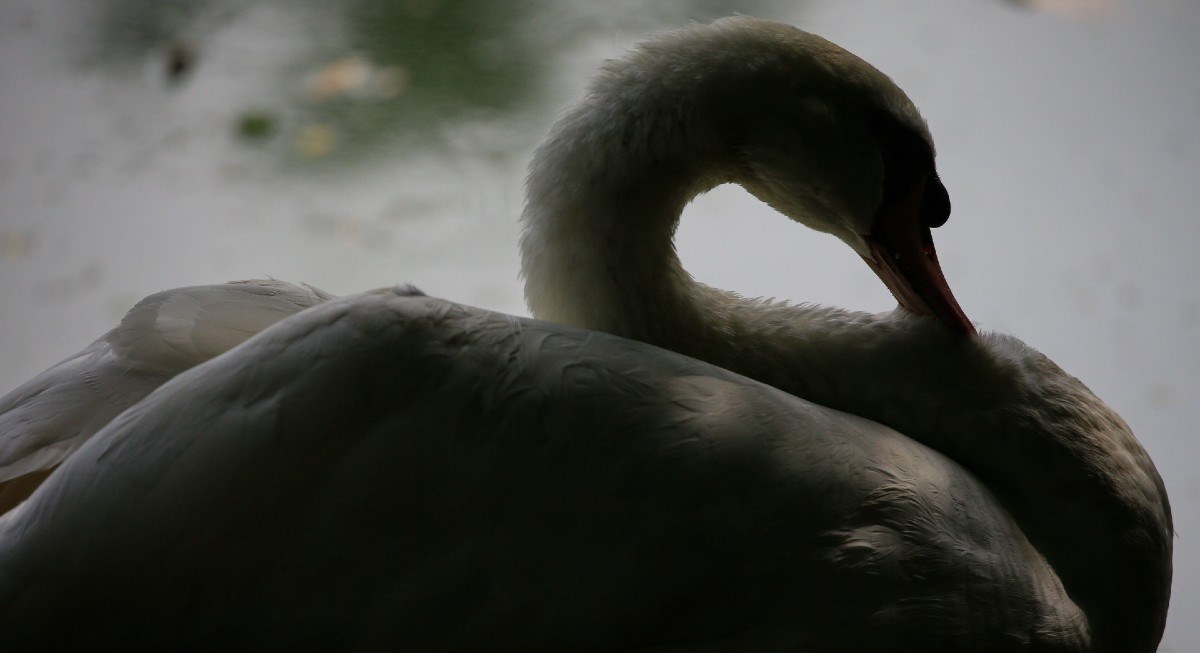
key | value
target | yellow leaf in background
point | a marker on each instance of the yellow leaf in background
(316, 140)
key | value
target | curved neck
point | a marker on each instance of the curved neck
(605, 194)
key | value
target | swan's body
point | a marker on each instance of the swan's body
(389, 470)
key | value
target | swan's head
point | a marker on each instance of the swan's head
(821, 136)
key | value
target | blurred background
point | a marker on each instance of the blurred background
(149, 144)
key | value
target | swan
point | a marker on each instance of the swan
(654, 464)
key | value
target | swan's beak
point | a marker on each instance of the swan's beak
(902, 254)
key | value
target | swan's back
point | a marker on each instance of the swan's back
(437, 476)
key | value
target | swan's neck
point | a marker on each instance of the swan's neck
(605, 194)
(603, 204)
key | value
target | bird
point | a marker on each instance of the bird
(649, 464)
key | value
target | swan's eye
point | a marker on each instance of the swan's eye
(935, 203)
(907, 159)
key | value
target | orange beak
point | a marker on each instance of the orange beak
(903, 256)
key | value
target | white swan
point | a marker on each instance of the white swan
(389, 470)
